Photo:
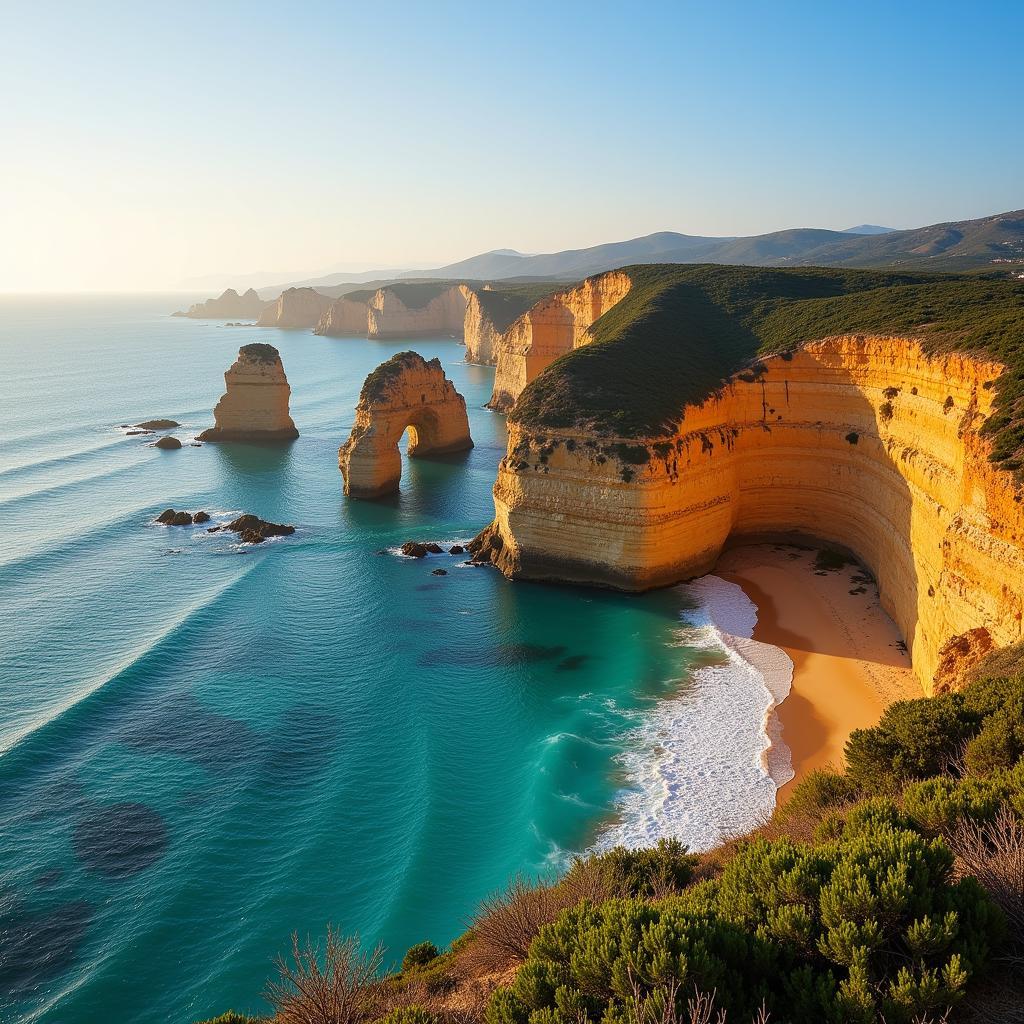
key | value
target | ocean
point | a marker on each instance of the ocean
(205, 747)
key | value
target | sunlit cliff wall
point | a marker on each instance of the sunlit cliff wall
(550, 329)
(389, 317)
(861, 441)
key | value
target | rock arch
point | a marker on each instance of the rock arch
(405, 393)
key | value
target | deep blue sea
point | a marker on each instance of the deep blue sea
(204, 747)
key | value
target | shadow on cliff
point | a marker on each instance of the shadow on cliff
(851, 495)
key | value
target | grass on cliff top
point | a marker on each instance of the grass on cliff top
(260, 352)
(682, 331)
(379, 380)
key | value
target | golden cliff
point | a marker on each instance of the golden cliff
(255, 405)
(397, 311)
(295, 309)
(480, 333)
(863, 441)
(551, 328)
(405, 393)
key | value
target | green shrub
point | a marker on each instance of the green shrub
(653, 871)
(869, 924)
(418, 955)
(819, 792)
(914, 739)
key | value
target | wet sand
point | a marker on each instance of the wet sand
(849, 662)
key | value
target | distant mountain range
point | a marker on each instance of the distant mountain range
(989, 242)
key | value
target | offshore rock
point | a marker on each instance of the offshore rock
(227, 305)
(168, 443)
(158, 424)
(254, 407)
(406, 392)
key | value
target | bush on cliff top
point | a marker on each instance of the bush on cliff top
(683, 330)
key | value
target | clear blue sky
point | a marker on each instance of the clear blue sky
(146, 143)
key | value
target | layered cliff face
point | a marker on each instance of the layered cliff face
(551, 328)
(344, 318)
(863, 441)
(227, 305)
(404, 311)
(480, 333)
(295, 309)
(254, 407)
(405, 393)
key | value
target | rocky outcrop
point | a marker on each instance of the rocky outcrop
(862, 441)
(406, 392)
(168, 443)
(345, 318)
(551, 328)
(406, 311)
(228, 304)
(295, 309)
(158, 424)
(253, 530)
(254, 407)
(480, 333)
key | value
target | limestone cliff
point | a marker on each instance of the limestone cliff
(254, 407)
(295, 309)
(551, 328)
(227, 305)
(867, 442)
(406, 392)
(345, 318)
(401, 312)
(479, 332)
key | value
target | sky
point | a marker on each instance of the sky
(148, 144)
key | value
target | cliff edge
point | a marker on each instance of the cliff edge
(719, 403)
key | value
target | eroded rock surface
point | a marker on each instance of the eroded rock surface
(548, 330)
(295, 309)
(864, 441)
(406, 392)
(254, 407)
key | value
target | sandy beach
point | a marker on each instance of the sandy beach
(849, 662)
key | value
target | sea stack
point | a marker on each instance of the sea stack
(254, 407)
(405, 392)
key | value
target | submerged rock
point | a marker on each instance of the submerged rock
(169, 517)
(168, 443)
(253, 530)
(158, 424)
(439, 572)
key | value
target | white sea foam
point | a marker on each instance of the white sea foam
(705, 764)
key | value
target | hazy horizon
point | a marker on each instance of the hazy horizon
(147, 149)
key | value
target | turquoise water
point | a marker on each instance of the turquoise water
(203, 748)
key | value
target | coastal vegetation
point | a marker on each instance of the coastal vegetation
(682, 331)
(892, 889)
